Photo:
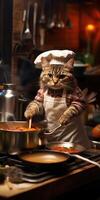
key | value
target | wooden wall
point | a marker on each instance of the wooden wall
(54, 38)
(80, 14)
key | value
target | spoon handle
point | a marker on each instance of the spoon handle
(30, 123)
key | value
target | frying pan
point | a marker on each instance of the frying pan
(45, 159)
(71, 149)
(67, 147)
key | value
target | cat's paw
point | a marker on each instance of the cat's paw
(31, 111)
(62, 120)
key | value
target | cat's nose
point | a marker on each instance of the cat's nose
(55, 80)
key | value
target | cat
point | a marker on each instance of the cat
(61, 99)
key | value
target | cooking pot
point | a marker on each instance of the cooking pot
(15, 136)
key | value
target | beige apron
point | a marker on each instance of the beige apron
(72, 132)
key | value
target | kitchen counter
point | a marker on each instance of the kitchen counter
(54, 187)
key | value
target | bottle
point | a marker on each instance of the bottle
(8, 103)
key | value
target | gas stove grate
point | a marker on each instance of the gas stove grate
(77, 163)
(34, 176)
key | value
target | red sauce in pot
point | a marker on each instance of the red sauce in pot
(65, 149)
(20, 129)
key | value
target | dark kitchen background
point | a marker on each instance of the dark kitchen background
(29, 27)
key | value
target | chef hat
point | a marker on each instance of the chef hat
(55, 57)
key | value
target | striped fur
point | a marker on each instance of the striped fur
(59, 77)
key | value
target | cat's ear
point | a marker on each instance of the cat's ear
(44, 63)
(69, 64)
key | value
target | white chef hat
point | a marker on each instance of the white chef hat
(58, 56)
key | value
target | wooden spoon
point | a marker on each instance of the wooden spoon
(30, 123)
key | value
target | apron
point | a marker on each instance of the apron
(73, 132)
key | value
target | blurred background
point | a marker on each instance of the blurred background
(30, 27)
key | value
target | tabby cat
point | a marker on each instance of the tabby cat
(61, 99)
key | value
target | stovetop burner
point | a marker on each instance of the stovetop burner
(33, 175)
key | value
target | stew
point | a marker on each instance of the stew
(20, 129)
(65, 149)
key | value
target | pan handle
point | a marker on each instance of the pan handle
(86, 159)
(55, 129)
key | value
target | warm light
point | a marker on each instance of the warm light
(90, 27)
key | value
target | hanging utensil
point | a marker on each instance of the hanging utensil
(34, 22)
(42, 19)
(27, 33)
(23, 24)
(42, 36)
(60, 22)
(52, 15)
(42, 23)
(68, 22)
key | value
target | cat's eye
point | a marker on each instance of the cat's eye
(50, 75)
(62, 76)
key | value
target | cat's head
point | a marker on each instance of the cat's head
(55, 75)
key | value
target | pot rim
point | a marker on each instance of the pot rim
(5, 127)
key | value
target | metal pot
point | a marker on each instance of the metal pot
(7, 102)
(13, 142)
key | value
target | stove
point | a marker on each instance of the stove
(31, 174)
